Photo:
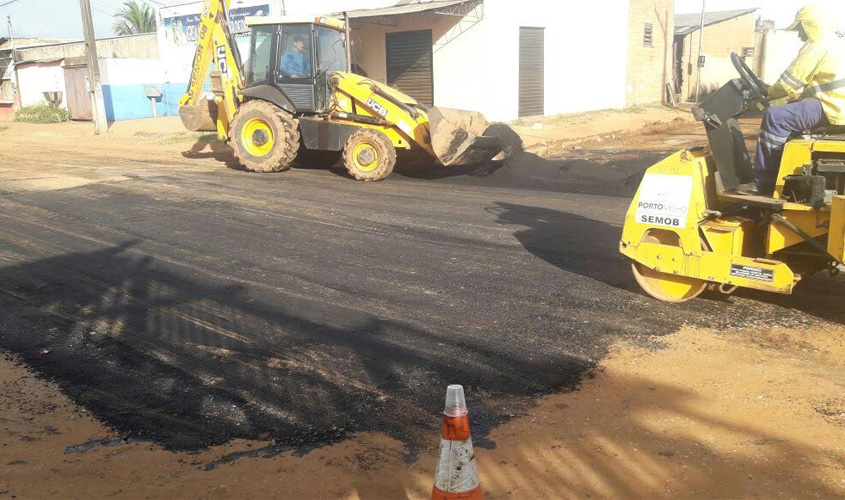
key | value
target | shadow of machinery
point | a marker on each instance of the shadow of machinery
(185, 361)
(208, 146)
(570, 242)
(618, 175)
(211, 147)
(589, 248)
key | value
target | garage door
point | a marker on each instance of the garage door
(531, 72)
(409, 64)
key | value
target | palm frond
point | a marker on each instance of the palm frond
(134, 18)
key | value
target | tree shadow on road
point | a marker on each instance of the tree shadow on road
(639, 435)
(161, 353)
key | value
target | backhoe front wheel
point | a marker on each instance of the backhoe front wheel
(369, 155)
(265, 138)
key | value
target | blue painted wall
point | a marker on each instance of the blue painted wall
(127, 102)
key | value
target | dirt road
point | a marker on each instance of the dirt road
(189, 314)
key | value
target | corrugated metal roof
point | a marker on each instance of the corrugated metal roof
(687, 23)
(406, 8)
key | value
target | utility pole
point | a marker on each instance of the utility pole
(16, 104)
(11, 38)
(95, 88)
(700, 62)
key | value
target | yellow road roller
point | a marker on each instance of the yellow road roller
(687, 229)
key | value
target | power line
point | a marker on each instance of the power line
(50, 19)
(8, 3)
(101, 4)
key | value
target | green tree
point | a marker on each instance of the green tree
(134, 18)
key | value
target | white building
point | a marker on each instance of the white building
(506, 59)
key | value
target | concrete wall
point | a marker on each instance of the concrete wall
(719, 41)
(123, 89)
(36, 78)
(123, 86)
(455, 84)
(476, 64)
(7, 111)
(649, 66)
(137, 46)
(585, 50)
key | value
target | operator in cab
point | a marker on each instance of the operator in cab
(295, 62)
(815, 86)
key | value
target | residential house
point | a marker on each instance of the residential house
(651, 27)
(60, 70)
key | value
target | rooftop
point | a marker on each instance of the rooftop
(411, 7)
(687, 23)
(5, 43)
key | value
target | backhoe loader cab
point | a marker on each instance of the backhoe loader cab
(686, 230)
(296, 56)
(296, 91)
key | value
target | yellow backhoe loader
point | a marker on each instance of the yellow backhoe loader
(297, 91)
(686, 230)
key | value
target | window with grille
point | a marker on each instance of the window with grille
(647, 35)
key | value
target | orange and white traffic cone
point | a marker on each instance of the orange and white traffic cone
(457, 474)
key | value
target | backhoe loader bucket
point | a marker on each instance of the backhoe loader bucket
(457, 137)
(201, 117)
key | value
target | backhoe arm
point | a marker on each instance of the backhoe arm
(216, 44)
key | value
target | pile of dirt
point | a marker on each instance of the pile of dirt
(608, 165)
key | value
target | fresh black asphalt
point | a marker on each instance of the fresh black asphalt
(191, 307)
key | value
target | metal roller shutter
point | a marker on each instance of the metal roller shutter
(531, 72)
(409, 64)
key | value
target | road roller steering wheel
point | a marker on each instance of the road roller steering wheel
(749, 79)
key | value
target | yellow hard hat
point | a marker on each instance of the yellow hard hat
(815, 19)
(809, 12)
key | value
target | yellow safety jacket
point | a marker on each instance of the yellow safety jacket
(819, 69)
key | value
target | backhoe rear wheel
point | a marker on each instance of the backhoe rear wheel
(664, 286)
(369, 155)
(265, 138)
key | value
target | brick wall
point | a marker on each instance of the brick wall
(719, 41)
(649, 65)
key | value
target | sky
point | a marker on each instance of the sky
(62, 19)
